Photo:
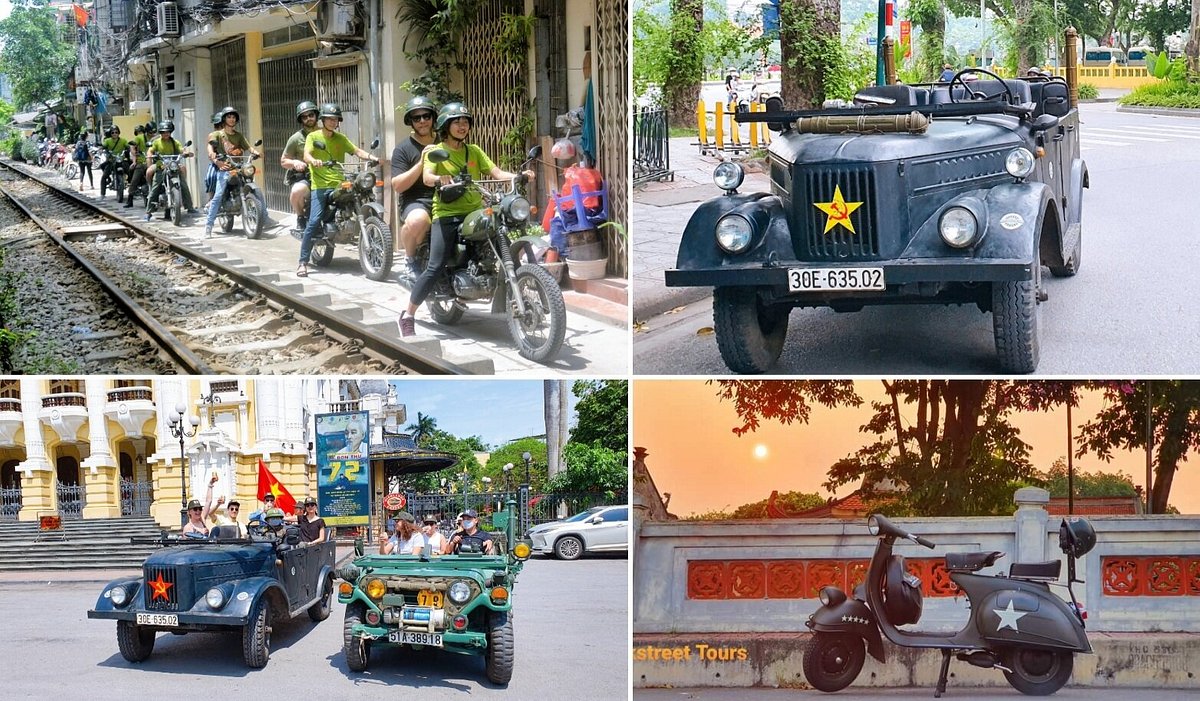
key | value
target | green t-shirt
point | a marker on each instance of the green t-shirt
(139, 143)
(115, 146)
(294, 148)
(477, 164)
(336, 148)
(226, 142)
(170, 147)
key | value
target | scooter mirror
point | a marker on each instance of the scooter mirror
(317, 143)
(374, 144)
(533, 153)
(189, 143)
(258, 143)
(439, 155)
(872, 525)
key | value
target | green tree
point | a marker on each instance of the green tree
(1087, 484)
(930, 17)
(34, 57)
(422, 429)
(789, 502)
(811, 48)
(592, 468)
(512, 453)
(1159, 20)
(603, 411)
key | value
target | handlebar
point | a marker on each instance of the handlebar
(879, 525)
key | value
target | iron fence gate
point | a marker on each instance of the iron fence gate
(340, 85)
(136, 497)
(611, 96)
(284, 83)
(495, 87)
(70, 501)
(10, 503)
(228, 83)
(651, 146)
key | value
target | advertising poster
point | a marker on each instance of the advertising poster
(343, 468)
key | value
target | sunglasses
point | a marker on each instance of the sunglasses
(423, 117)
(234, 508)
(196, 508)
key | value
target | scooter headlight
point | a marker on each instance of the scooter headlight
(734, 233)
(365, 181)
(249, 171)
(729, 176)
(831, 596)
(517, 208)
(872, 525)
(1019, 162)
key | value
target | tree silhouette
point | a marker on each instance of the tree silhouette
(422, 430)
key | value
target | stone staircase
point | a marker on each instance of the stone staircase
(80, 545)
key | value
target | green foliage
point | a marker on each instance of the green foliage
(422, 430)
(512, 41)
(858, 60)
(1087, 484)
(1161, 19)
(789, 502)
(512, 144)
(1162, 67)
(512, 453)
(35, 57)
(603, 411)
(592, 468)
(1168, 93)
(1088, 91)
(814, 59)
(435, 31)
(1023, 39)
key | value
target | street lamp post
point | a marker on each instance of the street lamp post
(212, 400)
(179, 430)
(525, 517)
(528, 459)
(508, 477)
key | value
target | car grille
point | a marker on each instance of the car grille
(168, 576)
(857, 184)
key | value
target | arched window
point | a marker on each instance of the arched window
(67, 470)
(10, 476)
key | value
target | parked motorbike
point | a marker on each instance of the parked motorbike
(1017, 624)
(243, 196)
(114, 169)
(489, 266)
(170, 198)
(354, 217)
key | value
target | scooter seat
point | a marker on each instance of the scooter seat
(1035, 570)
(971, 562)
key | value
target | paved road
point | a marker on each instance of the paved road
(973, 693)
(1129, 311)
(572, 639)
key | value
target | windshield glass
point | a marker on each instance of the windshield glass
(583, 514)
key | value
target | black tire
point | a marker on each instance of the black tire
(256, 636)
(832, 661)
(1073, 261)
(103, 185)
(500, 654)
(444, 311)
(226, 221)
(750, 335)
(254, 214)
(177, 206)
(356, 649)
(1038, 672)
(322, 252)
(119, 186)
(375, 249)
(1015, 322)
(135, 642)
(568, 547)
(545, 309)
(320, 610)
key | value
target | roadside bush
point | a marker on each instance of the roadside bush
(1087, 91)
(1165, 94)
(13, 147)
(29, 151)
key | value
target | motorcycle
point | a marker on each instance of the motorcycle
(488, 266)
(353, 216)
(243, 196)
(114, 169)
(170, 198)
(1017, 624)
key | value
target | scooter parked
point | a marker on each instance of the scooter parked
(1017, 624)
(242, 196)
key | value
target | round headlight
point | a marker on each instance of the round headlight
(365, 180)
(1019, 162)
(958, 227)
(215, 598)
(518, 209)
(118, 595)
(249, 171)
(375, 588)
(734, 232)
(728, 175)
(459, 592)
(872, 525)
(521, 550)
(824, 596)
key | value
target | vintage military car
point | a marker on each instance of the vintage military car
(946, 194)
(459, 603)
(221, 583)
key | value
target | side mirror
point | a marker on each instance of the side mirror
(189, 143)
(258, 143)
(319, 144)
(439, 155)
(1043, 123)
(534, 152)
(374, 144)
(774, 103)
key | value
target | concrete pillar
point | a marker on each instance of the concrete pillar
(101, 478)
(1031, 518)
(35, 443)
(267, 415)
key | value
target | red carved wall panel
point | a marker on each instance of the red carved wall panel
(799, 579)
(1154, 575)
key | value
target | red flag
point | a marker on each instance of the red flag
(81, 15)
(267, 484)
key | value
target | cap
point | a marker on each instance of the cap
(405, 516)
(429, 518)
(310, 501)
(273, 513)
(269, 497)
(470, 513)
(193, 504)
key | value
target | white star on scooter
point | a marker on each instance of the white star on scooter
(1008, 617)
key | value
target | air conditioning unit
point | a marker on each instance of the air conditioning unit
(338, 19)
(168, 20)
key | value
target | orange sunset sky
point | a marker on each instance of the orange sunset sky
(694, 455)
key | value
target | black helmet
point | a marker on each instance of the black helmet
(305, 107)
(138, 129)
(330, 109)
(452, 111)
(228, 111)
(167, 126)
(1076, 537)
(901, 593)
(149, 127)
(418, 102)
(216, 119)
(108, 132)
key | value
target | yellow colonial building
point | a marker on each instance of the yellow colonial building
(96, 447)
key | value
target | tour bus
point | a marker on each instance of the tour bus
(1103, 56)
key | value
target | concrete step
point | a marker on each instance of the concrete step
(610, 288)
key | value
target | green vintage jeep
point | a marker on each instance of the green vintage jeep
(460, 603)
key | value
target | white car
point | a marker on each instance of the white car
(599, 529)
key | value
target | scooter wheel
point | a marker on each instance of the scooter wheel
(833, 660)
(1038, 672)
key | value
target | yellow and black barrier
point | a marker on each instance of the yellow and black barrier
(727, 134)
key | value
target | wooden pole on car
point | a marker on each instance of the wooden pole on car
(1072, 65)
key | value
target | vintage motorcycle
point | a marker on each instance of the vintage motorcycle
(114, 169)
(489, 266)
(243, 196)
(354, 217)
(170, 198)
(1017, 624)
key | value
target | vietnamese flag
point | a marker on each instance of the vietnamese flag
(267, 484)
(81, 15)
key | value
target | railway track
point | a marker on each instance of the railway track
(139, 300)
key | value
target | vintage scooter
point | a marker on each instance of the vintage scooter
(354, 217)
(242, 196)
(170, 198)
(1017, 624)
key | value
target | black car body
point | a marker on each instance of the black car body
(261, 580)
(860, 197)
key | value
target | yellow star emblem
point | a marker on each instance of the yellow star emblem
(275, 490)
(160, 587)
(839, 211)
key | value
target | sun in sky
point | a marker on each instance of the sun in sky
(760, 451)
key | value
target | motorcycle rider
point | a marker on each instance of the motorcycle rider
(137, 159)
(210, 175)
(166, 145)
(116, 147)
(454, 124)
(292, 159)
(325, 179)
(225, 141)
(415, 198)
